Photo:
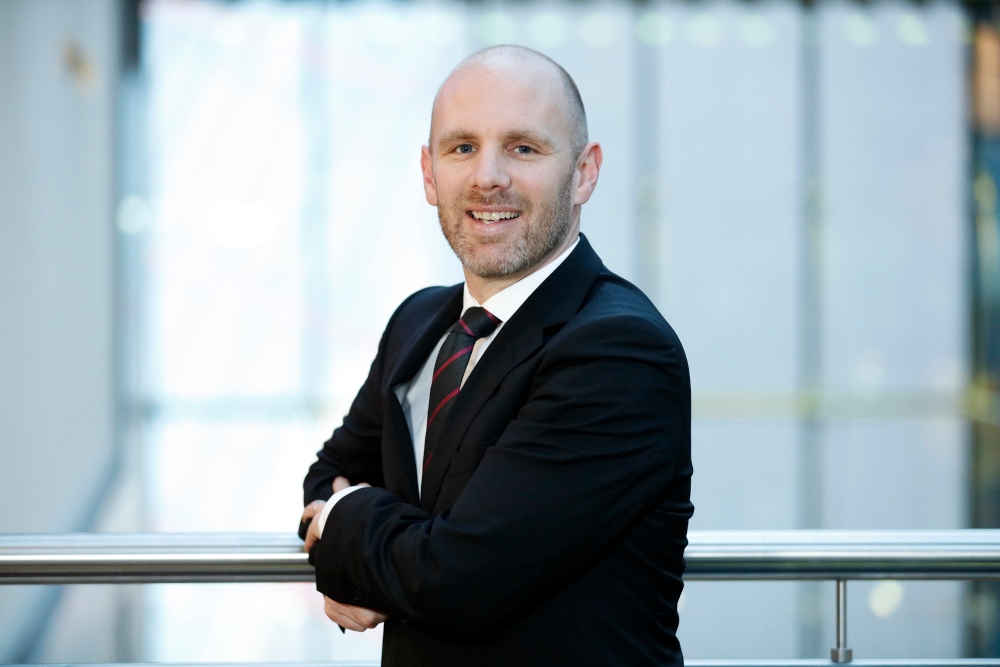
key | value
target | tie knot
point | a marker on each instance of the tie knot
(477, 322)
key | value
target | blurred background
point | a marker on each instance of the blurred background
(209, 210)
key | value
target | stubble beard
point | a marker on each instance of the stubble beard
(544, 227)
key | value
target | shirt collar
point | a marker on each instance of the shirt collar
(505, 303)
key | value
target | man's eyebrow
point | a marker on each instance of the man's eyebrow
(529, 136)
(456, 136)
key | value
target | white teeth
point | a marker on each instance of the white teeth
(493, 216)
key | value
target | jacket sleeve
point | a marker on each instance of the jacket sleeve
(598, 442)
(355, 448)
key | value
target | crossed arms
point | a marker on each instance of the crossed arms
(596, 443)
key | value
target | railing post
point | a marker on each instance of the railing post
(840, 653)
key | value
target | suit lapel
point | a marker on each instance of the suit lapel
(554, 302)
(425, 337)
(406, 365)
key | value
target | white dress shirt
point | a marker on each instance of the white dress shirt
(415, 395)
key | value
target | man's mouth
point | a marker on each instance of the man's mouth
(489, 217)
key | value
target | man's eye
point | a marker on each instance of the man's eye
(524, 150)
(464, 148)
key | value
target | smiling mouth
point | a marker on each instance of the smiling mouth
(489, 217)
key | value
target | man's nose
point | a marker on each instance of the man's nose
(490, 171)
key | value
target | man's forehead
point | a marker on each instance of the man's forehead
(501, 67)
(500, 97)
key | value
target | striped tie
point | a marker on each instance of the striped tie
(449, 369)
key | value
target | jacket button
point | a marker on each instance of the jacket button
(356, 596)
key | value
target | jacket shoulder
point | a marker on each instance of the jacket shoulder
(615, 304)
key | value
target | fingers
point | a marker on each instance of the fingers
(350, 617)
(312, 509)
(309, 514)
(312, 535)
(368, 618)
(341, 483)
(333, 611)
(316, 507)
(378, 617)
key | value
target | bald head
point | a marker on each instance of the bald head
(508, 164)
(510, 56)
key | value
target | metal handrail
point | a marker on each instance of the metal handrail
(750, 662)
(120, 558)
(714, 555)
(844, 554)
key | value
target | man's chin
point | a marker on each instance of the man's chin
(491, 263)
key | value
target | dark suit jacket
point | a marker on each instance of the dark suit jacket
(552, 532)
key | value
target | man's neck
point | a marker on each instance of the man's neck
(482, 289)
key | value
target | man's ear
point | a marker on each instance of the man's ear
(588, 168)
(430, 188)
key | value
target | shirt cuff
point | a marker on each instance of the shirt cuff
(334, 499)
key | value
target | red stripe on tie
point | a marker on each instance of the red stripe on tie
(453, 358)
(428, 461)
(466, 327)
(491, 316)
(441, 405)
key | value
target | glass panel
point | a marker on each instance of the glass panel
(730, 161)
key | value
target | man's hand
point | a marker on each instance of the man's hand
(309, 514)
(340, 483)
(315, 508)
(346, 616)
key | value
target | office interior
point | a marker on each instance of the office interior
(208, 211)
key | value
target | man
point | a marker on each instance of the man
(511, 485)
